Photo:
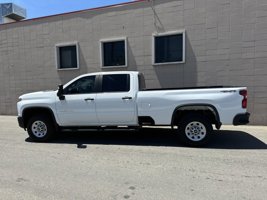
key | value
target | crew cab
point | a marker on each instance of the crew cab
(115, 99)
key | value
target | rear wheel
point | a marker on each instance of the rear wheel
(195, 130)
(40, 128)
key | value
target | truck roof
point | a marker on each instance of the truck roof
(110, 72)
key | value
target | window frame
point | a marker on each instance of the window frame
(170, 33)
(66, 44)
(109, 40)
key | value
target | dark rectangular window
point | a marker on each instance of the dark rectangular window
(67, 57)
(169, 48)
(114, 53)
(116, 83)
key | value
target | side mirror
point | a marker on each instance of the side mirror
(60, 93)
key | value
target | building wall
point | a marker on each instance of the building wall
(226, 44)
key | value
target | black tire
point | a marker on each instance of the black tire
(40, 128)
(195, 130)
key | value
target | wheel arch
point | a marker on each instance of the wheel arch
(27, 113)
(206, 109)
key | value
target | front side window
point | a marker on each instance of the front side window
(169, 48)
(85, 85)
(116, 83)
(114, 53)
(67, 56)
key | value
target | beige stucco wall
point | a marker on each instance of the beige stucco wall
(226, 44)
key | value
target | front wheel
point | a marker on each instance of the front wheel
(40, 128)
(195, 130)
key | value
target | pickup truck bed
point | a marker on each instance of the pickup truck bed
(187, 88)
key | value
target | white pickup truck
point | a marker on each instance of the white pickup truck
(115, 99)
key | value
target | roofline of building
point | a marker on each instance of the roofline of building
(79, 11)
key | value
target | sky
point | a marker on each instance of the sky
(40, 8)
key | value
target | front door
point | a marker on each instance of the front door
(78, 108)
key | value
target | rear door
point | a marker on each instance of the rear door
(116, 103)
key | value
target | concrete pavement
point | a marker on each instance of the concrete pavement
(150, 164)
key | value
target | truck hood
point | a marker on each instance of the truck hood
(38, 95)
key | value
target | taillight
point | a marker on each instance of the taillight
(244, 93)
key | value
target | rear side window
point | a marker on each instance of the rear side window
(116, 83)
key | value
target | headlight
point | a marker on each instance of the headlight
(20, 99)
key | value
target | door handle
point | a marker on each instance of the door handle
(126, 98)
(89, 99)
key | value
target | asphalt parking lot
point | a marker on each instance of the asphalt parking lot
(150, 164)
